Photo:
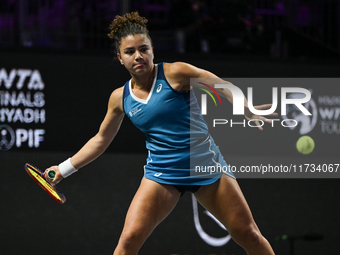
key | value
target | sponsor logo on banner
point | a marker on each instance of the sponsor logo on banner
(329, 111)
(7, 137)
(22, 113)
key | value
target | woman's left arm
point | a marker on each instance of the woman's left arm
(179, 74)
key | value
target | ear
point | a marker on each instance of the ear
(120, 58)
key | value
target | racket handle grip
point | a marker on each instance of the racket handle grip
(50, 174)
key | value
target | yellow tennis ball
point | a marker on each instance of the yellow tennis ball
(305, 144)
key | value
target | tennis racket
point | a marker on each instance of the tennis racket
(50, 188)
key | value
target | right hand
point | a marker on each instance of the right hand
(58, 177)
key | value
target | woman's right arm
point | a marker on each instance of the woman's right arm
(99, 143)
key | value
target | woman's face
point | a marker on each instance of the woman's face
(136, 54)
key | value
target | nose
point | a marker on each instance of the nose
(138, 55)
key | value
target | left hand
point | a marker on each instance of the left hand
(251, 116)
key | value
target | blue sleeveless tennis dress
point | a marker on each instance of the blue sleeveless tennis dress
(180, 149)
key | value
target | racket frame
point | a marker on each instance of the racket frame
(50, 188)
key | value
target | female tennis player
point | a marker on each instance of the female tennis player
(158, 99)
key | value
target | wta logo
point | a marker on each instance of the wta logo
(204, 97)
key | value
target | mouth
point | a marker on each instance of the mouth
(139, 65)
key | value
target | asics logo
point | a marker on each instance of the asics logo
(159, 88)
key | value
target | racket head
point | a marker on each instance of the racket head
(39, 178)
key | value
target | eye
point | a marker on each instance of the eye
(129, 52)
(144, 49)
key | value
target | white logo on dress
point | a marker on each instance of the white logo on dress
(159, 88)
(134, 112)
(158, 174)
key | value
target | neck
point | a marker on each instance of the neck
(144, 81)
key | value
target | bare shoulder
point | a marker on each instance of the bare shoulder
(179, 69)
(116, 100)
(179, 73)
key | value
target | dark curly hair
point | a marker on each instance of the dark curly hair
(129, 24)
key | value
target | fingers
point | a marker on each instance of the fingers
(266, 106)
(48, 175)
(258, 125)
(53, 178)
(263, 106)
(260, 120)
